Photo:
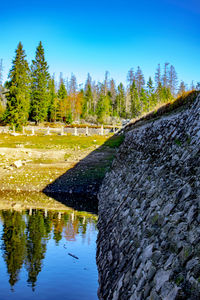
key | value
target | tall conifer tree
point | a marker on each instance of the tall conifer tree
(134, 99)
(139, 79)
(113, 95)
(52, 100)
(1, 75)
(18, 98)
(151, 99)
(2, 97)
(158, 76)
(198, 86)
(173, 80)
(88, 106)
(39, 93)
(120, 99)
(63, 106)
(130, 77)
(182, 88)
(165, 77)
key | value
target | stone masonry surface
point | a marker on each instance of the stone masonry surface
(148, 245)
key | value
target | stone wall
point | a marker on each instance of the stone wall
(148, 245)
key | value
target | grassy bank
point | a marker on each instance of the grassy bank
(52, 141)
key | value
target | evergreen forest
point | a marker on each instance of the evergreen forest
(32, 94)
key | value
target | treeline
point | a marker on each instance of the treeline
(33, 95)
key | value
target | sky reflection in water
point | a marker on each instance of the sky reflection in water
(35, 261)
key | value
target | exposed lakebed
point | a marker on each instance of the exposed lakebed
(47, 250)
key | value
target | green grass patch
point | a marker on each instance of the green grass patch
(54, 141)
(115, 141)
(179, 280)
(178, 142)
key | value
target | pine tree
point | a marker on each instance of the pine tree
(134, 100)
(130, 77)
(62, 108)
(1, 76)
(120, 101)
(139, 79)
(158, 76)
(62, 92)
(144, 101)
(95, 95)
(39, 93)
(192, 87)
(106, 83)
(2, 96)
(18, 98)
(73, 94)
(165, 77)
(103, 108)
(198, 86)
(1, 111)
(173, 79)
(88, 105)
(52, 100)
(158, 93)
(112, 96)
(165, 94)
(182, 88)
(151, 96)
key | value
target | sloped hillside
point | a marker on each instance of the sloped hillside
(149, 222)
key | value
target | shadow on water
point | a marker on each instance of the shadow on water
(78, 187)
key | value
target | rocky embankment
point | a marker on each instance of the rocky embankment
(149, 221)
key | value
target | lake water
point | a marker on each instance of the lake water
(47, 253)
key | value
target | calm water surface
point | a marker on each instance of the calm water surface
(47, 254)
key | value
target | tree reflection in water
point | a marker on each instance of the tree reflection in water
(14, 246)
(36, 238)
(25, 237)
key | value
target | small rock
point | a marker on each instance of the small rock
(184, 192)
(151, 273)
(161, 277)
(191, 213)
(16, 206)
(192, 263)
(147, 253)
(17, 164)
(172, 295)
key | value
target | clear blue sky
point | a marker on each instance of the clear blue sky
(94, 36)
